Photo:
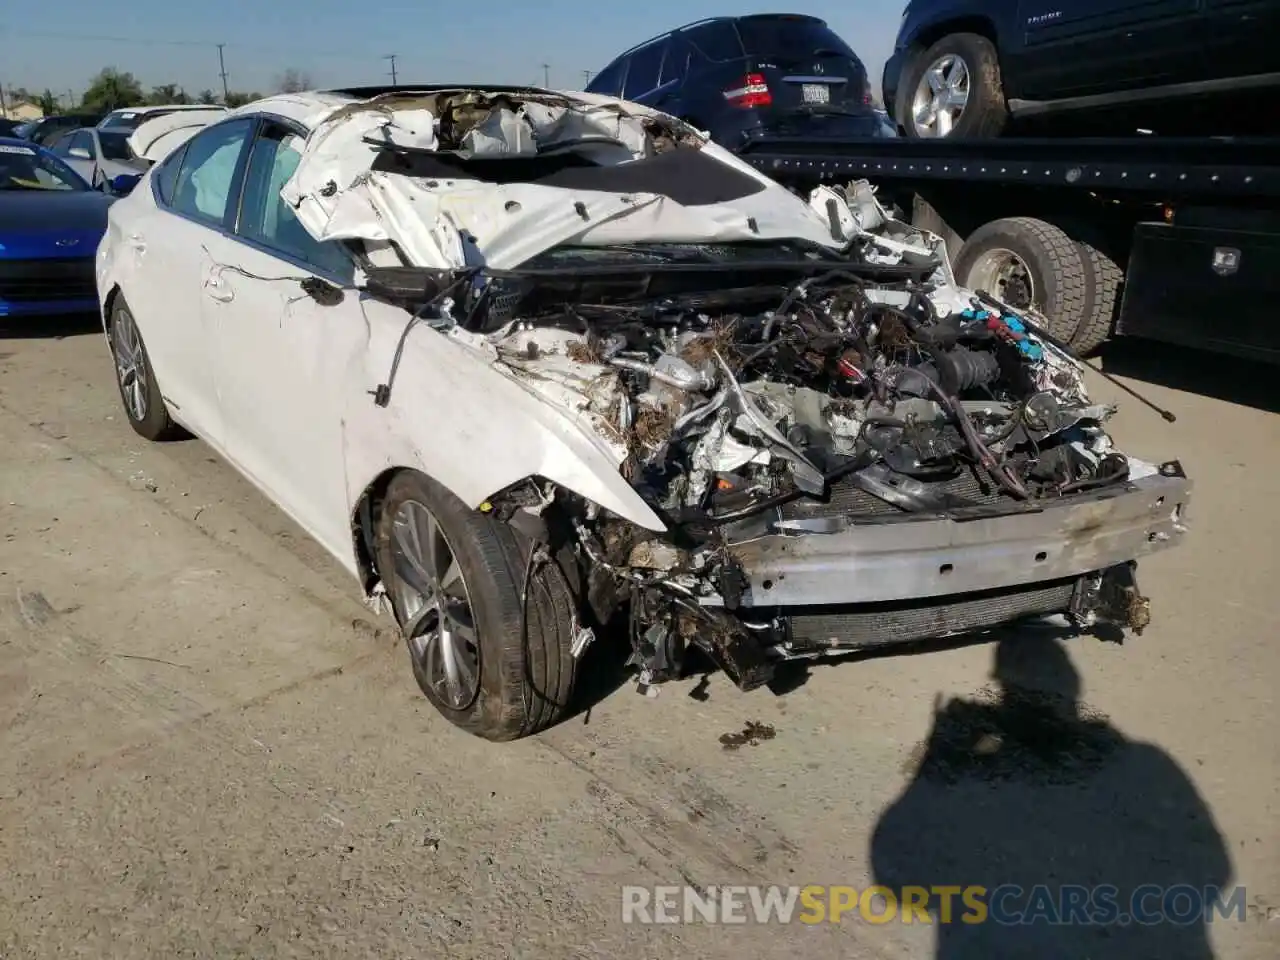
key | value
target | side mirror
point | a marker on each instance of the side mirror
(123, 184)
(80, 153)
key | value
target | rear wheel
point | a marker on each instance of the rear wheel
(1105, 277)
(489, 633)
(1030, 264)
(953, 89)
(139, 392)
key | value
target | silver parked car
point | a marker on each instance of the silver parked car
(98, 155)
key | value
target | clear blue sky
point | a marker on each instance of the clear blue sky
(337, 42)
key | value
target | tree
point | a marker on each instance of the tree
(293, 80)
(167, 93)
(206, 96)
(48, 103)
(111, 90)
(234, 99)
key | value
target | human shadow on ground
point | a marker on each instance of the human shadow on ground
(1025, 786)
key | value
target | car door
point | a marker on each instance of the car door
(286, 365)
(1244, 38)
(76, 149)
(194, 195)
(1082, 47)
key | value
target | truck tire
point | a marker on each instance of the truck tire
(970, 62)
(466, 594)
(1105, 278)
(1030, 263)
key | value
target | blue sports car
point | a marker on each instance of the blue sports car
(50, 225)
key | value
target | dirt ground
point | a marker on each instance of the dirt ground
(210, 748)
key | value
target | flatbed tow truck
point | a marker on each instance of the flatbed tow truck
(1171, 239)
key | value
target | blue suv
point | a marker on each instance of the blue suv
(747, 78)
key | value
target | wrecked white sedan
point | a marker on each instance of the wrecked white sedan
(530, 364)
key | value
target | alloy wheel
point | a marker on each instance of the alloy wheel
(940, 97)
(131, 370)
(434, 604)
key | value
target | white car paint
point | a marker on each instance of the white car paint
(281, 385)
(131, 116)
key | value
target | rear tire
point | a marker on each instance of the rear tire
(1105, 278)
(519, 651)
(140, 394)
(1032, 254)
(984, 113)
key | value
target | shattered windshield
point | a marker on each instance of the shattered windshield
(25, 168)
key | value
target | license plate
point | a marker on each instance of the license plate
(815, 93)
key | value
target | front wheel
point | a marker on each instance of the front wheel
(489, 631)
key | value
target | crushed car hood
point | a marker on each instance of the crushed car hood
(464, 177)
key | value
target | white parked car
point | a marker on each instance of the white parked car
(128, 118)
(525, 360)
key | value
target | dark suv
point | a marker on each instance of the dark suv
(965, 67)
(742, 78)
(47, 128)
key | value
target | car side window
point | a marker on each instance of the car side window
(608, 82)
(675, 63)
(207, 178)
(646, 67)
(165, 176)
(717, 41)
(267, 219)
(81, 141)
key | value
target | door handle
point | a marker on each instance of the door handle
(218, 288)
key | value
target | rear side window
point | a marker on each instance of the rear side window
(165, 177)
(608, 82)
(646, 67)
(790, 38)
(717, 41)
(676, 62)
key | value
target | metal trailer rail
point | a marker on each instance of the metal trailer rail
(1169, 167)
(1179, 238)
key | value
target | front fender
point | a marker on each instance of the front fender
(456, 417)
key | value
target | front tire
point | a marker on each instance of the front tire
(954, 89)
(489, 633)
(136, 379)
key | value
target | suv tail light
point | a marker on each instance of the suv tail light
(753, 91)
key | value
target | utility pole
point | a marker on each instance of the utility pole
(586, 77)
(392, 58)
(546, 76)
(222, 72)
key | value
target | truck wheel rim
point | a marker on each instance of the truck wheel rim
(940, 97)
(1005, 275)
(435, 606)
(131, 372)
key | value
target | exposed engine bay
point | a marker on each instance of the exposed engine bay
(780, 400)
